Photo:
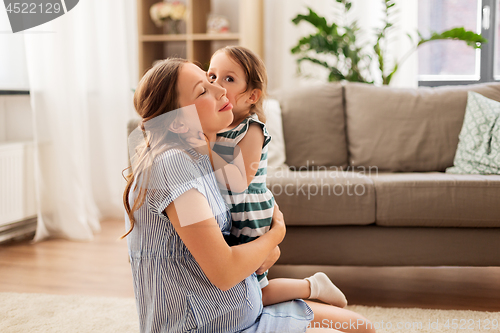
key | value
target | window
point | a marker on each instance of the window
(497, 41)
(453, 62)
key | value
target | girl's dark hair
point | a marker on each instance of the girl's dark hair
(255, 72)
(156, 95)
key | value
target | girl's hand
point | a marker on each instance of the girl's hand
(270, 261)
(198, 143)
(278, 224)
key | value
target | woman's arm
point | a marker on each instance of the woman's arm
(224, 266)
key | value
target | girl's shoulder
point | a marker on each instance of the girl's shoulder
(254, 119)
(237, 133)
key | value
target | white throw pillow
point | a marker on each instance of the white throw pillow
(276, 153)
(478, 150)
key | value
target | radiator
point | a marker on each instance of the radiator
(17, 189)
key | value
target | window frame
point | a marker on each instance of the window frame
(487, 65)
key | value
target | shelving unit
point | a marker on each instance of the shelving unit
(194, 43)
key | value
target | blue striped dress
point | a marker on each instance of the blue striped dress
(252, 210)
(172, 292)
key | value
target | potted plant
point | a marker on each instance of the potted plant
(351, 61)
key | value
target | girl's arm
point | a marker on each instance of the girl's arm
(251, 151)
(224, 266)
(238, 174)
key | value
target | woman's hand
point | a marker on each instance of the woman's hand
(278, 224)
(198, 143)
(270, 261)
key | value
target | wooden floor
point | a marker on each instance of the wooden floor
(96, 268)
(101, 268)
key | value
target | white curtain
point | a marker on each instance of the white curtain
(281, 35)
(81, 69)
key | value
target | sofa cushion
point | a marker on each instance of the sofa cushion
(435, 199)
(323, 197)
(399, 129)
(478, 149)
(276, 153)
(314, 125)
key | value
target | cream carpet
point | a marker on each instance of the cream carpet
(32, 313)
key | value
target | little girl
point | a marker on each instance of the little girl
(245, 144)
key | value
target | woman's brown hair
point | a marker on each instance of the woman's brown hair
(156, 95)
(255, 72)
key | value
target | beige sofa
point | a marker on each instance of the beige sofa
(365, 183)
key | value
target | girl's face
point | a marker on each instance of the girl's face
(212, 106)
(226, 72)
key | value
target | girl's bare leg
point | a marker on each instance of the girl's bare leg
(338, 319)
(282, 290)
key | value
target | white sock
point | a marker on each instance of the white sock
(324, 290)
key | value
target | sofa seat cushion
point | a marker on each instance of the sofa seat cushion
(323, 197)
(435, 199)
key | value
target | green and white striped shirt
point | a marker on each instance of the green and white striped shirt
(251, 210)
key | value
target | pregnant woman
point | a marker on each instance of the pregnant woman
(186, 277)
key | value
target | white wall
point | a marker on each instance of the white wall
(280, 35)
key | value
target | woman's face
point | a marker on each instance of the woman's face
(226, 72)
(212, 105)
